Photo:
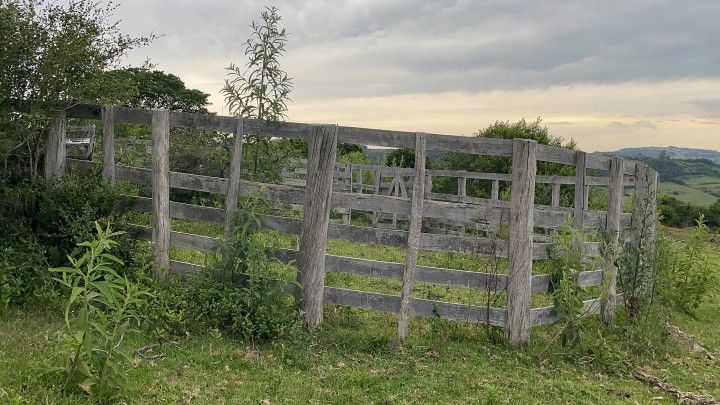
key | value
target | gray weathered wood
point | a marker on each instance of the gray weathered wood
(643, 221)
(614, 212)
(108, 125)
(555, 195)
(322, 147)
(546, 315)
(161, 188)
(413, 245)
(233, 188)
(495, 190)
(580, 188)
(55, 146)
(420, 307)
(524, 169)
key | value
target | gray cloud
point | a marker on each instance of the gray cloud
(366, 48)
(707, 106)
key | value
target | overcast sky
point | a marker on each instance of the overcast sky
(609, 74)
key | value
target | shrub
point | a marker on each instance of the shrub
(685, 274)
(42, 222)
(239, 293)
(101, 309)
(567, 259)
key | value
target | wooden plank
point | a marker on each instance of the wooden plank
(420, 307)
(413, 246)
(178, 239)
(55, 146)
(184, 269)
(580, 189)
(322, 147)
(524, 169)
(233, 188)
(615, 197)
(161, 189)
(546, 315)
(554, 154)
(108, 125)
(643, 224)
(434, 275)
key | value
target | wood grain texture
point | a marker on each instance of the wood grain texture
(108, 129)
(413, 245)
(233, 188)
(524, 169)
(161, 189)
(322, 147)
(55, 146)
(581, 189)
(614, 213)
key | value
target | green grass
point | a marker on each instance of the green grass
(698, 190)
(349, 359)
(687, 193)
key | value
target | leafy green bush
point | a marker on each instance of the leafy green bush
(239, 293)
(685, 274)
(567, 259)
(101, 310)
(42, 222)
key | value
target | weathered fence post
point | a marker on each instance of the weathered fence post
(555, 203)
(413, 243)
(161, 189)
(614, 212)
(378, 183)
(520, 252)
(322, 147)
(233, 191)
(55, 145)
(108, 125)
(462, 186)
(643, 223)
(495, 190)
(428, 184)
(580, 188)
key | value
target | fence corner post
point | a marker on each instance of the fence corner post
(614, 212)
(413, 243)
(233, 189)
(520, 249)
(108, 129)
(643, 225)
(322, 150)
(581, 189)
(55, 147)
(161, 189)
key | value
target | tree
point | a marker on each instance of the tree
(51, 53)
(263, 88)
(498, 164)
(146, 88)
(402, 157)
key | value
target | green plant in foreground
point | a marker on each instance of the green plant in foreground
(567, 259)
(100, 312)
(685, 275)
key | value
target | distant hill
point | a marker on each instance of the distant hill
(673, 152)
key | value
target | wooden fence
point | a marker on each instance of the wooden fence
(318, 196)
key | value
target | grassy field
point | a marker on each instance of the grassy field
(352, 358)
(698, 190)
(687, 193)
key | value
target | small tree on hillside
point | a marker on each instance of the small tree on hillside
(262, 89)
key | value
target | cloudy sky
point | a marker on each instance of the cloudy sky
(609, 74)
